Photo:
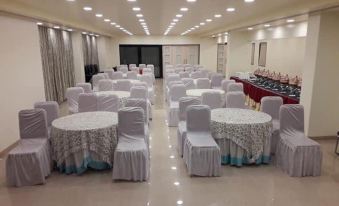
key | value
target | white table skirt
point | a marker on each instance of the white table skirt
(84, 140)
(243, 135)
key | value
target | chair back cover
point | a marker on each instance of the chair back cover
(132, 75)
(204, 73)
(212, 99)
(108, 103)
(184, 102)
(235, 100)
(87, 102)
(138, 102)
(105, 85)
(184, 75)
(51, 108)
(110, 73)
(225, 83)
(140, 84)
(132, 66)
(72, 96)
(33, 124)
(147, 70)
(177, 91)
(173, 77)
(141, 66)
(131, 124)
(189, 83)
(96, 78)
(216, 80)
(196, 75)
(147, 78)
(203, 83)
(86, 86)
(139, 92)
(198, 118)
(291, 119)
(235, 87)
(123, 69)
(117, 75)
(271, 106)
(123, 85)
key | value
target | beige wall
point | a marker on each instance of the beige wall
(105, 52)
(208, 46)
(21, 74)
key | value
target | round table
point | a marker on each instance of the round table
(199, 92)
(123, 95)
(84, 140)
(243, 135)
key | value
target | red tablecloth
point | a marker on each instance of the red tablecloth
(256, 93)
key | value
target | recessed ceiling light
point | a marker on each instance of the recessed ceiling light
(132, 0)
(56, 27)
(208, 20)
(136, 9)
(191, 0)
(175, 20)
(202, 23)
(69, 29)
(70, 0)
(87, 8)
(213, 36)
(180, 202)
(267, 25)
(117, 26)
(290, 20)
(39, 23)
(250, 28)
(184, 9)
(179, 15)
(99, 15)
(231, 9)
(196, 26)
(217, 15)
(141, 20)
(113, 23)
(139, 15)
(173, 23)
(97, 35)
(84, 32)
(107, 20)
(219, 34)
(249, 1)
(143, 23)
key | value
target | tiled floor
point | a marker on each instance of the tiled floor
(169, 183)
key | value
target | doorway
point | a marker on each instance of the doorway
(142, 54)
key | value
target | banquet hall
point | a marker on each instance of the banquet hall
(181, 102)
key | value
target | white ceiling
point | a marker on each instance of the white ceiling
(158, 14)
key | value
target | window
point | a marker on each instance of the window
(262, 54)
(252, 54)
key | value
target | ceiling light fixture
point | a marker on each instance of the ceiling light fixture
(139, 15)
(141, 20)
(179, 15)
(231, 9)
(217, 15)
(39, 23)
(87, 8)
(99, 15)
(84, 32)
(191, 1)
(290, 20)
(56, 27)
(250, 28)
(208, 20)
(202, 23)
(69, 30)
(136, 9)
(249, 1)
(175, 20)
(184, 9)
(107, 20)
(113, 23)
(267, 25)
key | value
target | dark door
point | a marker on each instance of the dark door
(143, 54)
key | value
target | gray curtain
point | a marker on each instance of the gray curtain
(57, 62)
(90, 50)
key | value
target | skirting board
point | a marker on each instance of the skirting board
(4, 152)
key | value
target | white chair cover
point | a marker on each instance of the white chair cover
(235, 87)
(235, 100)
(196, 75)
(148, 79)
(201, 153)
(29, 163)
(184, 75)
(86, 86)
(212, 99)
(117, 75)
(131, 157)
(296, 154)
(189, 83)
(105, 85)
(135, 69)
(132, 75)
(132, 66)
(108, 103)
(216, 80)
(271, 106)
(151, 66)
(225, 83)
(88, 102)
(110, 73)
(72, 96)
(184, 102)
(204, 73)
(176, 92)
(95, 81)
(123, 85)
(142, 66)
(142, 92)
(105, 75)
(123, 69)
(203, 83)
(51, 108)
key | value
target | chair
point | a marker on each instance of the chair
(108, 103)
(123, 85)
(176, 92)
(29, 163)
(151, 66)
(130, 66)
(88, 102)
(271, 106)
(148, 79)
(216, 80)
(105, 75)
(212, 99)
(296, 154)
(142, 92)
(201, 153)
(171, 83)
(95, 81)
(105, 85)
(131, 157)
(189, 83)
(140, 84)
(86, 86)
(117, 75)
(72, 96)
(132, 75)
(110, 73)
(52, 112)
(196, 75)
(235, 87)
(225, 83)
(203, 83)
(123, 70)
(204, 73)
(184, 75)
(235, 100)
(142, 66)
(184, 102)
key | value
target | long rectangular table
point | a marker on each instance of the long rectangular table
(256, 92)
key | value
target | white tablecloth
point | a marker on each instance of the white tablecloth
(84, 140)
(121, 94)
(199, 92)
(247, 129)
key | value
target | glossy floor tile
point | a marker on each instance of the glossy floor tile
(170, 185)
